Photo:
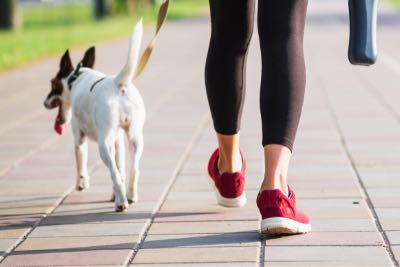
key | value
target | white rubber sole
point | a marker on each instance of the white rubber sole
(279, 225)
(228, 202)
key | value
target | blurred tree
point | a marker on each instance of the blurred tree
(9, 14)
(102, 8)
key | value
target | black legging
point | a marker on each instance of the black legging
(281, 29)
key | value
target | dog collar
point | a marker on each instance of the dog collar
(74, 76)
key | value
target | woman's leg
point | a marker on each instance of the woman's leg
(281, 30)
(232, 27)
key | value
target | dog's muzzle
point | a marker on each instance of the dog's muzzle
(51, 104)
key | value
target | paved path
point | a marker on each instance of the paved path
(345, 167)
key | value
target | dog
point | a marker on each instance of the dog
(102, 108)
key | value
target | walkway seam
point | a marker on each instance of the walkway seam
(51, 209)
(372, 89)
(390, 62)
(48, 212)
(198, 133)
(36, 224)
(375, 216)
(27, 155)
(261, 255)
(31, 115)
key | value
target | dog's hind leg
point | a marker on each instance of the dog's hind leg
(120, 158)
(136, 150)
(120, 155)
(81, 155)
(108, 155)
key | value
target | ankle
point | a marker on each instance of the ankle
(266, 185)
(230, 164)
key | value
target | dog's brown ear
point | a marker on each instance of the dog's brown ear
(65, 65)
(89, 58)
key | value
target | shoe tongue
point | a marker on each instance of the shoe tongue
(272, 194)
(228, 174)
(269, 197)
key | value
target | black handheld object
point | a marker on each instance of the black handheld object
(362, 43)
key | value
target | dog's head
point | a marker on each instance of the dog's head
(59, 95)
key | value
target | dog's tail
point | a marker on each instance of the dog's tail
(128, 71)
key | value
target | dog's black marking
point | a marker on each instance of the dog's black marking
(95, 83)
(74, 76)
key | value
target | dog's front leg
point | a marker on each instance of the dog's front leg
(107, 154)
(81, 155)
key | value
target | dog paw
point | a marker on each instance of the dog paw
(81, 188)
(132, 201)
(121, 208)
(133, 198)
(82, 183)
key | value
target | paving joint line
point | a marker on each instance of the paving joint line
(198, 133)
(27, 155)
(390, 62)
(36, 224)
(372, 90)
(386, 242)
(48, 212)
(16, 100)
(261, 253)
(31, 115)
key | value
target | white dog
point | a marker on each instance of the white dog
(102, 108)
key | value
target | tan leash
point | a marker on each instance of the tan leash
(162, 15)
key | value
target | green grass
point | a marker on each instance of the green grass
(396, 3)
(48, 29)
(180, 9)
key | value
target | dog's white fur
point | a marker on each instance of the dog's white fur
(112, 108)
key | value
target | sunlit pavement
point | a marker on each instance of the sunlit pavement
(345, 167)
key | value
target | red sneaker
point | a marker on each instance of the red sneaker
(279, 213)
(229, 187)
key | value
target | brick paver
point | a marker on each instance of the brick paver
(345, 166)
